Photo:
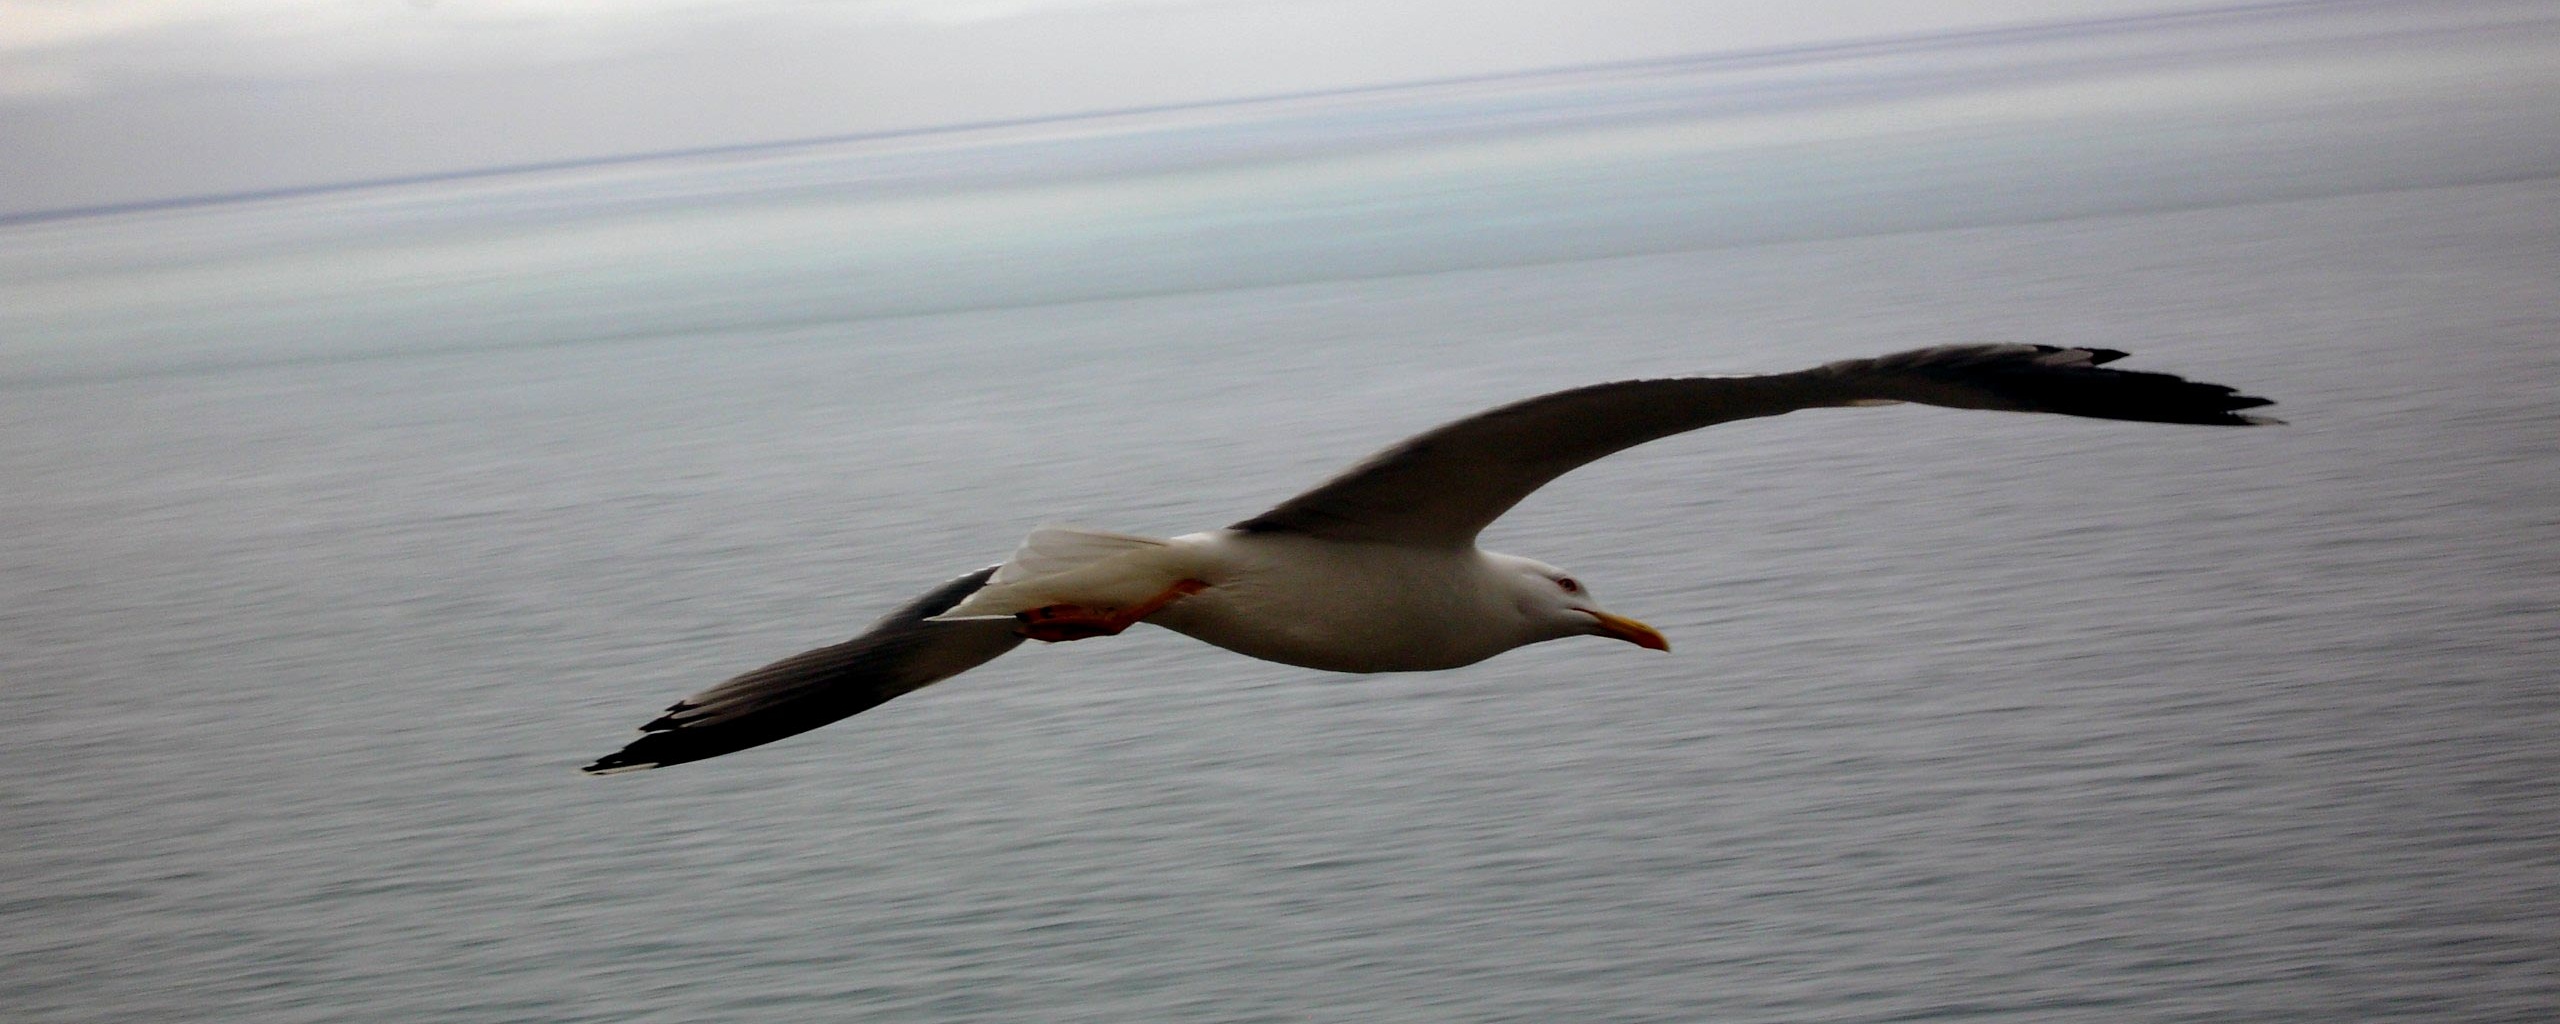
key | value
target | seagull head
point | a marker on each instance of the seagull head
(1555, 605)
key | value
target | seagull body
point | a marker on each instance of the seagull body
(1377, 570)
(1341, 606)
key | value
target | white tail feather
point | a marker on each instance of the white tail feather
(1065, 565)
(1051, 550)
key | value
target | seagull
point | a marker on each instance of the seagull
(1377, 569)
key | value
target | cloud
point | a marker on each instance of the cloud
(53, 48)
(971, 12)
(37, 24)
(57, 48)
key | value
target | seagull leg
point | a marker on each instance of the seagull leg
(1058, 623)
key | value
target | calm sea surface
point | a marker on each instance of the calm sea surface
(335, 532)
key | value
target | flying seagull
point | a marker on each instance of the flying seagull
(1377, 570)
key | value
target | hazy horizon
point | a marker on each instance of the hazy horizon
(1895, 68)
(141, 102)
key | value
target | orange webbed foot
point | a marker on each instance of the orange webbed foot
(1058, 623)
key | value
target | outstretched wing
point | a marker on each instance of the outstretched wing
(1442, 487)
(899, 654)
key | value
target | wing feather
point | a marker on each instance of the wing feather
(1444, 486)
(899, 654)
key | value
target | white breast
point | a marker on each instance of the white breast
(1344, 607)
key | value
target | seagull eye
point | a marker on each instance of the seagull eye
(1569, 585)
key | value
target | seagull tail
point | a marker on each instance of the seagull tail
(1066, 565)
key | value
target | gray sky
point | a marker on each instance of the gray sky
(111, 101)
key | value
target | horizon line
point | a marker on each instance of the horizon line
(1769, 56)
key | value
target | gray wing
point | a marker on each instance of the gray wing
(1442, 487)
(899, 654)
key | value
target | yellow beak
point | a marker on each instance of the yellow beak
(1623, 628)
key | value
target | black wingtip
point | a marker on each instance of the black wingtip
(2068, 380)
(617, 763)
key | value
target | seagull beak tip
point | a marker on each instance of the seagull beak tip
(1620, 627)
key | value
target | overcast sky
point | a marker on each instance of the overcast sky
(111, 101)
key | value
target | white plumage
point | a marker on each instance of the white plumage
(1342, 606)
